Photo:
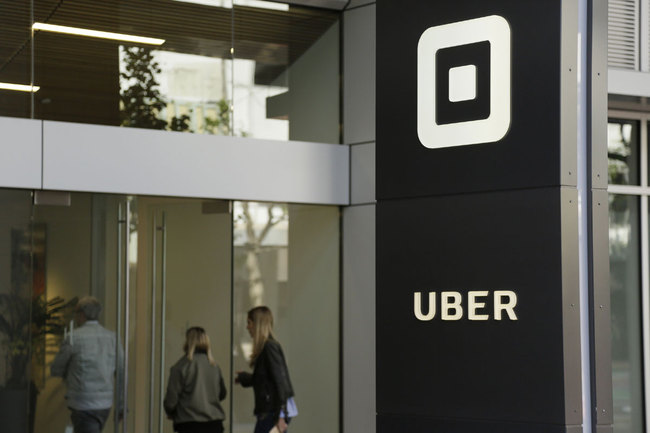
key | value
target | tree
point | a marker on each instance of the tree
(142, 101)
(275, 214)
(254, 228)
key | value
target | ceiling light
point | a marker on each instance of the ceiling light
(250, 3)
(19, 87)
(97, 34)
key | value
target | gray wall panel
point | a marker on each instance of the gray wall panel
(362, 173)
(80, 157)
(602, 320)
(20, 153)
(359, 75)
(358, 291)
(359, 319)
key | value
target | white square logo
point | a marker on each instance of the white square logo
(464, 83)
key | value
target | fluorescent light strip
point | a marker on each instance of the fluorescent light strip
(19, 87)
(227, 4)
(97, 34)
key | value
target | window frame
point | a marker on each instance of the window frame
(643, 192)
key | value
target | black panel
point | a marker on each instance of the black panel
(477, 54)
(528, 156)
(489, 370)
(394, 423)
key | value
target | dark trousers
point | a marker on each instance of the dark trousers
(200, 427)
(89, 421)
(265, 422)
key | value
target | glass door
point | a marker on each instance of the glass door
(186, 245)
(84, 248)
(157, 266)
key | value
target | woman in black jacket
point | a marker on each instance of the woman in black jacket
(270, 377)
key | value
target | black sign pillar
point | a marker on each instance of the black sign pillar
(478, 318)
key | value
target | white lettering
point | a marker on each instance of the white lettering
(417, 306)
(451, 305)
(473, 305)
(446, 305)
(508, 307)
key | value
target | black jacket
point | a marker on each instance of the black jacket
(270, 380)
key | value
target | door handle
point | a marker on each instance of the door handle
(127, 292)
(152, 364)
(118, 319)
(123, 285)
(163, 304)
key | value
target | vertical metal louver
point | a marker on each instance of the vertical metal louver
(623, 34)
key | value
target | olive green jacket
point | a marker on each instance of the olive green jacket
(194, 391)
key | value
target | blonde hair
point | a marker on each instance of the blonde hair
(262, 319)
(197, 339)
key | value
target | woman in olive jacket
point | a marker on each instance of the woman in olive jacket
(270, 377)
(196, 388)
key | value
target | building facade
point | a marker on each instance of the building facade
(233, 164)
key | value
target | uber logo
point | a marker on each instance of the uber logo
(451, 305)
(464, 82)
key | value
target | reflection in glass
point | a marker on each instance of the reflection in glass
(286, 257)
(17, 339)
(623, 152)
(246, 67)
(15, 57)
(286, 72)
(624, 256)
(174, 91)
(182, 85)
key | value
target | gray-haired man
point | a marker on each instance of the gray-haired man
(87, 362)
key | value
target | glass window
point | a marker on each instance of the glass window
(15, 59)
(623, 152)
(179, 79)
(251, 68)
(627, 378)
(189, 264)
(179, 276)
(286, 72)
(286, 257)
(17, 338)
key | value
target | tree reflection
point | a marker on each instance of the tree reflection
(620, 152)
(141, 102)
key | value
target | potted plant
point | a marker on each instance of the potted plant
(25, 322)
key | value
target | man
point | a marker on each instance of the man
(86, 361)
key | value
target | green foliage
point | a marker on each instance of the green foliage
(180, 124)
(142, 101)
(220, 125)
(24, 325)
